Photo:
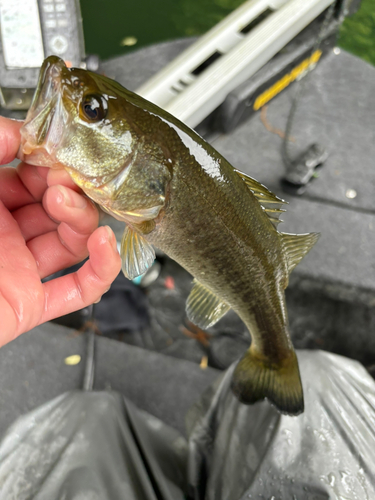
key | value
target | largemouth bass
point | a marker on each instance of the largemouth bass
(175, 192)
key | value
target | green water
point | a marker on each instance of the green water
(357, 34)
(114, 27)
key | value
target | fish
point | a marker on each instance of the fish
(175, 192)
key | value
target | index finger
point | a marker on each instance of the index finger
(10, 139)
(61, 177)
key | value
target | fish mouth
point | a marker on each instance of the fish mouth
(43, 127)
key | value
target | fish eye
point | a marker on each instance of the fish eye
(94, 107)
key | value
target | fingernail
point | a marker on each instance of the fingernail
(72, 200)
(111, 238)
(97, 301)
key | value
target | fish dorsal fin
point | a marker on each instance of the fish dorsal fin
(274, 214)
(296, 246)
(263, 194)
(268, 200)
(137, 253)
(204, 308)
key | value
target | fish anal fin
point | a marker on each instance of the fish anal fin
(203, 307)
(137, 253)
(296, 246)
(255, 379)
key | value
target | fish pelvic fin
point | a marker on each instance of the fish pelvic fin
(203, 307)
(137, 253)
(296, 246)
(255, 378)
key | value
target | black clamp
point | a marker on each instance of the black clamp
(303, 169)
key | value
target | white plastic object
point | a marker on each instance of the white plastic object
(191, 95)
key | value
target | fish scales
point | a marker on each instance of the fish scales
(174, 191)
(236, 261)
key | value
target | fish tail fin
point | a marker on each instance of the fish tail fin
(256, 378)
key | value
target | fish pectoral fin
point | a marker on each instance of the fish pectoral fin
(137, 253)
(296, 246)
(255, 378)
(203, 307)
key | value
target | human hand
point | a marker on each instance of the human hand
(46, 224)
